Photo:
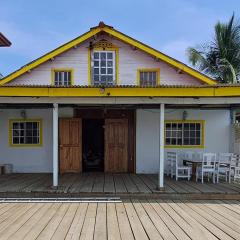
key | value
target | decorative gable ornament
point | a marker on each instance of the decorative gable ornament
(103, 44)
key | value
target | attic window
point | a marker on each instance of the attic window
(62, 77)
(103, 68)
(148, 77)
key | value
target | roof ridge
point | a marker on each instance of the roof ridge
(102, 27)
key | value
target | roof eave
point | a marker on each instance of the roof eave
(110, 30)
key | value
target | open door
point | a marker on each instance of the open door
(70, 140)
(116, 145)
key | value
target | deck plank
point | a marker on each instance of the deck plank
(131, 187)
(151, 225)
(137, 228)
(212, 219)
(195, 213)
(183, 220)
(154, 179)
(218, 213)
(100, 231)
(22, 231)
(66, 222)
(116, 184)
(109, 186)
(142, 187)
(112, 223)
(20, 212)
(124, 225)
(77, 223)
(79, 183)
(130, 219)
(51, 227)
(88, 183)
(19, 222)
(168, 221)
(87, 232)
(119, 184)
(98, 183)
(43, 222)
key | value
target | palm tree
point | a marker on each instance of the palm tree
(220, 58)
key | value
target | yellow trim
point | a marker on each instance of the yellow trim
(202, 122)
(157, 70)
(27, 91)
(89, 68)
(10, 124)
(120, 36)
(53, 70)
(160, 55)
(116, 50)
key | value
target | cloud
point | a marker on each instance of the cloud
(30, 44)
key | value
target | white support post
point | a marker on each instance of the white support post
(55, 145)
(161, 148)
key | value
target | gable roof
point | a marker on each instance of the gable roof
(113, 32)
(4, 42)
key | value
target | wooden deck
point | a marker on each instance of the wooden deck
(130, 219)
(122, 185)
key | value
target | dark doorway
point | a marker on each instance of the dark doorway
(93, 145)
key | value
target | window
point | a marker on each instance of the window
(25, 132)
(62, 77)
(184, 133)
(148, 77)
(103, 68)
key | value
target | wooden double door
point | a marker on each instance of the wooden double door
(115, 141)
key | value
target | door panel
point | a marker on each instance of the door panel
(116, 145)
(70, 140)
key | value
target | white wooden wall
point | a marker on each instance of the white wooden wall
(29, 159)
(236, 137)
(129, 61)
(217, 134)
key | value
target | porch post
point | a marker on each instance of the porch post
(55, 144)
(161, 148)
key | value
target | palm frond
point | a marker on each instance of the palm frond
(220, 58)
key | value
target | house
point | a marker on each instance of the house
(107, 102)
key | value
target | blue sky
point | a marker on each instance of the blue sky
(36, 27)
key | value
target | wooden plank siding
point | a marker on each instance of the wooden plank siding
(129, 61)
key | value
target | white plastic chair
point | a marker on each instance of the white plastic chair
(208, 166)
(189, 155)
(223, 165)
(168, 165)
(234, 169)
(178, 170)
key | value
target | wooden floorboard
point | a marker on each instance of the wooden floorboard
(131, 219)
(115, 184)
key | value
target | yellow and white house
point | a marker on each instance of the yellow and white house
(107, 102)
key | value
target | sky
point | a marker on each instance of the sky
(36, 27)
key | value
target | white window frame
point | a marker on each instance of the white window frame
(99, 67)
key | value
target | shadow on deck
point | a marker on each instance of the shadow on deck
(115, 185)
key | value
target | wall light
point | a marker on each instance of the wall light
(23, 114)
(184, 115)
